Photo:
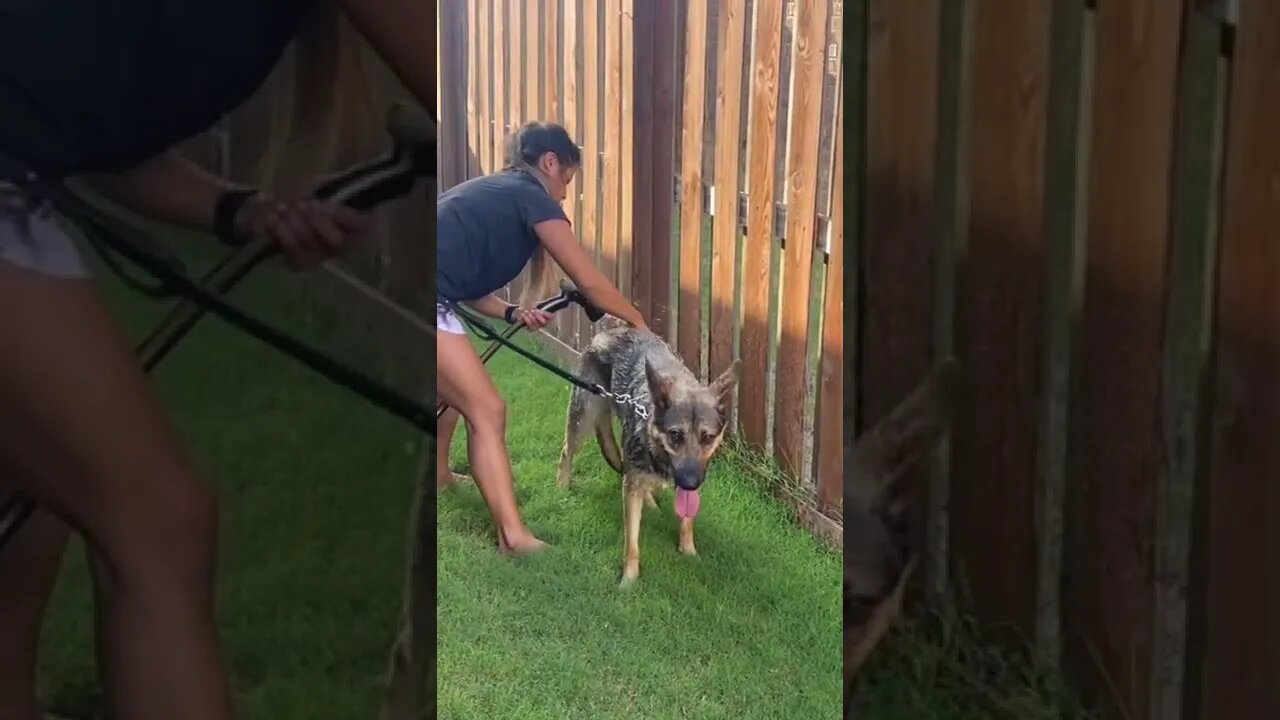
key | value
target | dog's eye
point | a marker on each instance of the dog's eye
(707, 438)
(675, 436)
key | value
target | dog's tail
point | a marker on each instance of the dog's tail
(609, 443)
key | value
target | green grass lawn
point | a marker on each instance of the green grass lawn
(315, 488)
(748, 629)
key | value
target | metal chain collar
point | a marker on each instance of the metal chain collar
(637, 403)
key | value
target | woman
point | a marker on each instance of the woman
(103, 89)
(487, 230)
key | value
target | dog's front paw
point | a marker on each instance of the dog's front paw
(687, 548)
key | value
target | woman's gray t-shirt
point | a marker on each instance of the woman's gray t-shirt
(484, 232)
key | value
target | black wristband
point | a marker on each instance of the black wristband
(224, 215)
(509, 313)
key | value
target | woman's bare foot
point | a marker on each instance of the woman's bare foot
(520, 543)
(448, 480)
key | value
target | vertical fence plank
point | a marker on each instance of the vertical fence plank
(1242, 661)
(663, 144)
(999, 314)
(517, 59)
(536, 39)
(499, 55)
(626, 147)
(830, 442)
(452, 49)
(762, 148)
(897, 251)
(642, 153)
(1063, 241)
(807, 65)
(689, 334)
(933, 529)
(898, 248)
(553, 70)
(473, 88)
(1115, 443)
(569, 105)
(611, 232)
(591, 113)
(487, 73)
(1184, 421)
(726, 227)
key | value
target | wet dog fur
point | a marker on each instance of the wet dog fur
(672, 447)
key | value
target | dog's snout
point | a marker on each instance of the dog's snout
(688, 476)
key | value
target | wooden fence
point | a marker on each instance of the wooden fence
(1082, 204)
(708, 134)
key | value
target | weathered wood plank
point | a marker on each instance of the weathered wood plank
(1115, 443)
(611, 230)
(807, 65)
(569, 106)
(897, 252)
(899, 243)
(473, 89)
(516, 79)
(1185, 431)
(999, 314)
(591, 114)
(487, 74)
(534, 51)
(626, 147)
(726, 229)
(501, 20)
(642, 152)
(762, 144)
(1242, 659)
(1063, 234)
(830, 387)
(689, 334)
(664, 130)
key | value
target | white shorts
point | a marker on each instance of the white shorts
(447, 321)
(32, 239)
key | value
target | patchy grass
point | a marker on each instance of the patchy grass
(940, 665)
(748, 629)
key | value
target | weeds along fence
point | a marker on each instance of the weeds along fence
(1081, 203)
(708, 132)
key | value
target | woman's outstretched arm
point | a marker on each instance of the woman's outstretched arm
(404, 36)
(557, 237)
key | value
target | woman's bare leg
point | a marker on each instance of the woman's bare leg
(461, 381)
(29, 565)
(83, 435)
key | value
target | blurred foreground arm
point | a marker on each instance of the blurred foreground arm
(403, 32)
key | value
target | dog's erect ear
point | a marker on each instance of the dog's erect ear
(659, 387)
(723, 386)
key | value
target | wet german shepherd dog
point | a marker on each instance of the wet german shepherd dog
(668, 437)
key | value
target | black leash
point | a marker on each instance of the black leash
(569, 295)
(87, 218)
(412, 157)
(485, 330)
(482, 328)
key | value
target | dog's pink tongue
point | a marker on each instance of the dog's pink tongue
(687, 502)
